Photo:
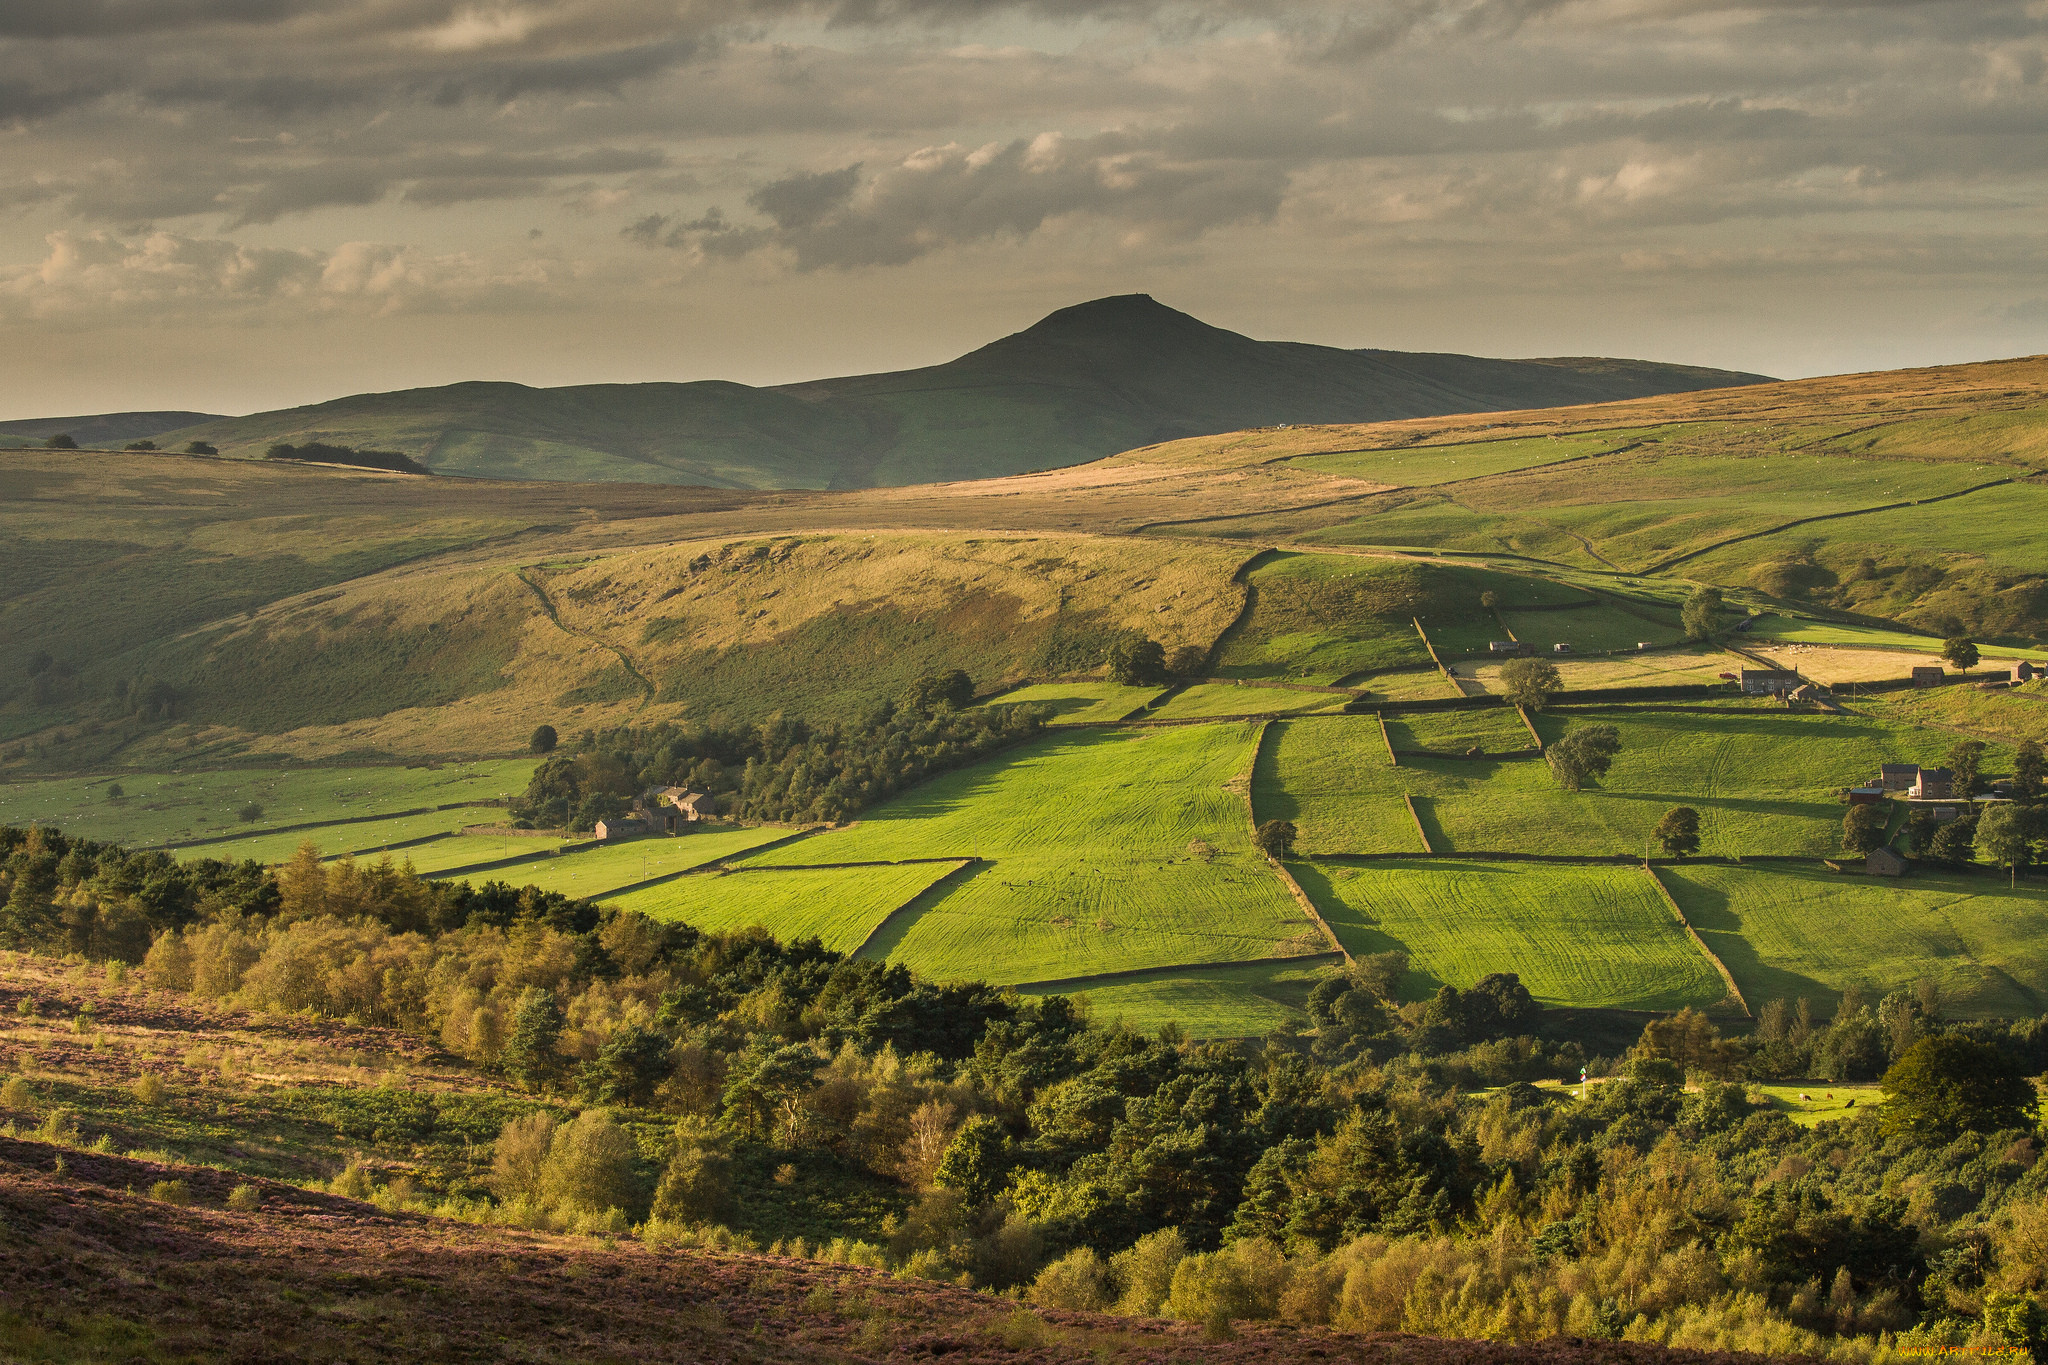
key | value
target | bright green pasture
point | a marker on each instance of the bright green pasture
(1762, 782)
(1082, 699)
(2014, 714)
(1802, 630)
(1575, 934)
(840, 905)
(599, 871)
(1239, 1001)
(1494, 730)
(1790, 932)
(1828, 1100)
(168, 807)
(1204, 700)
(1424, 465)
(371, 836)
(450, 856)
(2021, 434)
(1109, 849)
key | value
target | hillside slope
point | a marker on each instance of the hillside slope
(101, 429)
(1085, 382)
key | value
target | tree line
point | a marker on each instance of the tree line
(1385, 1163)
(781, 769)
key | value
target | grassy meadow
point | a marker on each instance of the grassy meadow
(1424, 465)
(1791, 932)
(593, 872)
(180, 807)
(1080, 701)
(1231, 1001)
(1103, 851)
(841, 906)
(1584, 935)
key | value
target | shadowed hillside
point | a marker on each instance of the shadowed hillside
(102, 429)
(1086, 382)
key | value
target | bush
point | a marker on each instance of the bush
(140, 445)
(60, 1125)
(1079, 1282)
(520, 1153)
(696, 1185)
(544, 739)
(589, 1167)
(249, 814)
(61, 441)
(1144, 1273)
(149, 1090)
(354, 1182)
(171, 1192)
(244, 1199)
(201, 448)
(1244, 1280)
(16, 1094)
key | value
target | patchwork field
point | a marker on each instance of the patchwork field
(1205, 700)
(1587, 935)
(599, 871)
(1205, 1002)
(170, 807)
(333, 841)
(1423, 465)
(1105, 851)
(1791, 932)
(1664, 668)
(840, 906)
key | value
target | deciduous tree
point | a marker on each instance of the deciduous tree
(1679, 831)
(1276, 838)
(1946, 1085)
(1584, 754)
(1960, 651)
(1529, 683)
(1701, 616)
(1863, 830)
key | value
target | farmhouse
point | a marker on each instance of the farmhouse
(1882, 862)
(1896, 777)
(1932, 784)
(1765, 682)
(668, 808)
(1929, 675)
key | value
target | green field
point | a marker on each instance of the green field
(1494, 730)
(168, 807)
(370, 836)
(1803, 630)
(1088, 836)
(1205, 700)
(1081, 699)
(1762, 782)
(597, 871)
(448, 856)
(1424, 465)
(840, 905)
(1603, 627)
(1823, 1100)
(1787, 933)
(1585, 935)
(1241, 1001)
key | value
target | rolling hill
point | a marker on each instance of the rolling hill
(1084, 383)
(102, 429)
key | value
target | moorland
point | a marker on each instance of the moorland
(1149, 863)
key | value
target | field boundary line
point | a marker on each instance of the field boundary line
(1132, 973)
(1438, 660)
(960, 865)
(1393, 758)
(493, 864)
(1727, 977)
(1485, 855)
(704, 868)
(1676, 560)
(311, 824)
(1414, 815)
(1251, 810)
(1523, 712)
(390, 848)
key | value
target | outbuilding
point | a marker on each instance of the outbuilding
(1766, 682)
(1882, 862)
(1929, 675)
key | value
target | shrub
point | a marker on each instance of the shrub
(520, 1153)
(59, 1125)
(354, 1181)
(149, 1089)
(244, 1199)
(1244, 1280)
(1144, 1272)
(1079, 1281)
(171, 1192)
(201, 448)
(696, 1185)
(140, 445)
(16, 1094)
(589, 1167)
(61, 441)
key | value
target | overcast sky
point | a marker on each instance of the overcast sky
(231, 205)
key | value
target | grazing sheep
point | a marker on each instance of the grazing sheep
(1804, 1096)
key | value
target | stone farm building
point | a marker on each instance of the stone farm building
(1769, 682)
(1929, 675)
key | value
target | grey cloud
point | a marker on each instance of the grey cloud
(87, 18)
(947, 196)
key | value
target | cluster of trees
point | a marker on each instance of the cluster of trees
(1338, 1173)
(781, 769)
(321, 453)
(1136, 661)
